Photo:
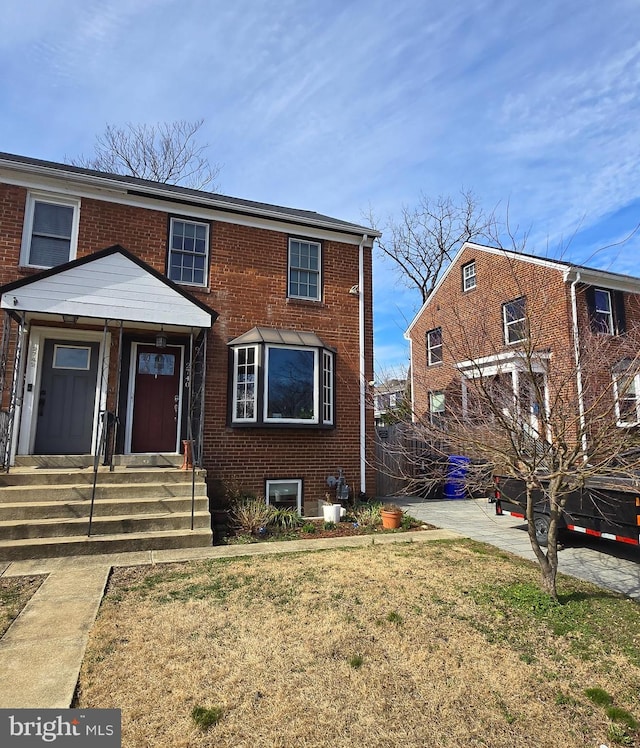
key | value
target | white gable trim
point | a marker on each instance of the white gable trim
(109, 287)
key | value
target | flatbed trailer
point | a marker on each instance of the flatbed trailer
(604, 507)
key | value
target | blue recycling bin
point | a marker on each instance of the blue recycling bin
(455, 483)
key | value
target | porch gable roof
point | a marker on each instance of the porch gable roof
(110, 284)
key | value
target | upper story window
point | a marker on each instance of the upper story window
(282, 384)
(50, 235)
(304, 270)
(603, 311)
(514, 317)
(188, 260)
(434, 346)
(469, 276)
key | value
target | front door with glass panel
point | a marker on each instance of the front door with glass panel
(66, 400)
(156, 398)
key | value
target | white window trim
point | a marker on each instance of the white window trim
(47, 197)
(469, 279)
(508, 325)
(328, 387)
(316, 389)
(430, 347)
(274, 482)
(609, 312)
(616, 393)
(207, 259)
(236, 350)
(318, 271)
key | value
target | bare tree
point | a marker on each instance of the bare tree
(549, 417)
(424, 239)
(166, 152)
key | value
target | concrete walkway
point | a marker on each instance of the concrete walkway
(613, 566)
(42, 651)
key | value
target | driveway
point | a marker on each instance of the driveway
(613, 566)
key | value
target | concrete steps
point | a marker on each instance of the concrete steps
(143, 504)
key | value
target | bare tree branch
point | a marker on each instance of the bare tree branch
(166, 152)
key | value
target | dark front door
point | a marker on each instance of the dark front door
(67, 397)
(156, 399)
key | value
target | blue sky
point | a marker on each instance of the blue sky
(344, 106)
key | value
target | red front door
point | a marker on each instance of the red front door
(156, 399)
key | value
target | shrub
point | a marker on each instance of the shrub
(308, 527)
(367, 515)
(329, 525)
(285, 519)
(251, 515)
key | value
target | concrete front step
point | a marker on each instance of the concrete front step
(86, 461)
(61, 476)
(102, 508)
(58, 528)
(15, 550)
(74, 492)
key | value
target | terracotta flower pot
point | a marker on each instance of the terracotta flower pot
(391, 520)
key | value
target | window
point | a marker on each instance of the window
(436, 408)
(606, 310)
(71, 357)
(188, 252)
(515, 322)
(602, 311)
(434, 346)
(285, 493)
(626, 390)
(304, 270)
(278, 384)
(50, 233)
(469, 276)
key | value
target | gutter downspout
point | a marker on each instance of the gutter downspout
(363, 381)
(576, 350)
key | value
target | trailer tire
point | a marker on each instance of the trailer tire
(541, 526)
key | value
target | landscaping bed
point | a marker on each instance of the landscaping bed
(251, 521)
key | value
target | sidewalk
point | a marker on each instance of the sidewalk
(42, 651)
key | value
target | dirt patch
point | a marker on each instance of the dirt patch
(15, 593)
(410, 644)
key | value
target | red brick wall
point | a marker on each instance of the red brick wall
(248, 287)
(471, 321)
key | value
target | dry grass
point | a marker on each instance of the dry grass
(412, 645)
(15, 593)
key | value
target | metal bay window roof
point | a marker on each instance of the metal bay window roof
(280, 337)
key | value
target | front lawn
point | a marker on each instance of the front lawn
(432, 644)
(15, 593)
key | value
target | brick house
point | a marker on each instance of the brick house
(491, 305)
(243, 327)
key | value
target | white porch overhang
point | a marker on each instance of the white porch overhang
(502, 363)
(112, 284)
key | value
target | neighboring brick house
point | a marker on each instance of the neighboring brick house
(389, 401)
(490, 305)
(243, 326)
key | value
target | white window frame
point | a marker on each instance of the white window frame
(635, 378)
(27, 230)
(430, 348)
(57, 347)
(279, 481)
(318, 272)
(235, 403)
(599, 313)
(513, 324)
(324, 386)
(328, 388)
(436, 405)
(316, 389)
(469, 276)
(171, 250)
